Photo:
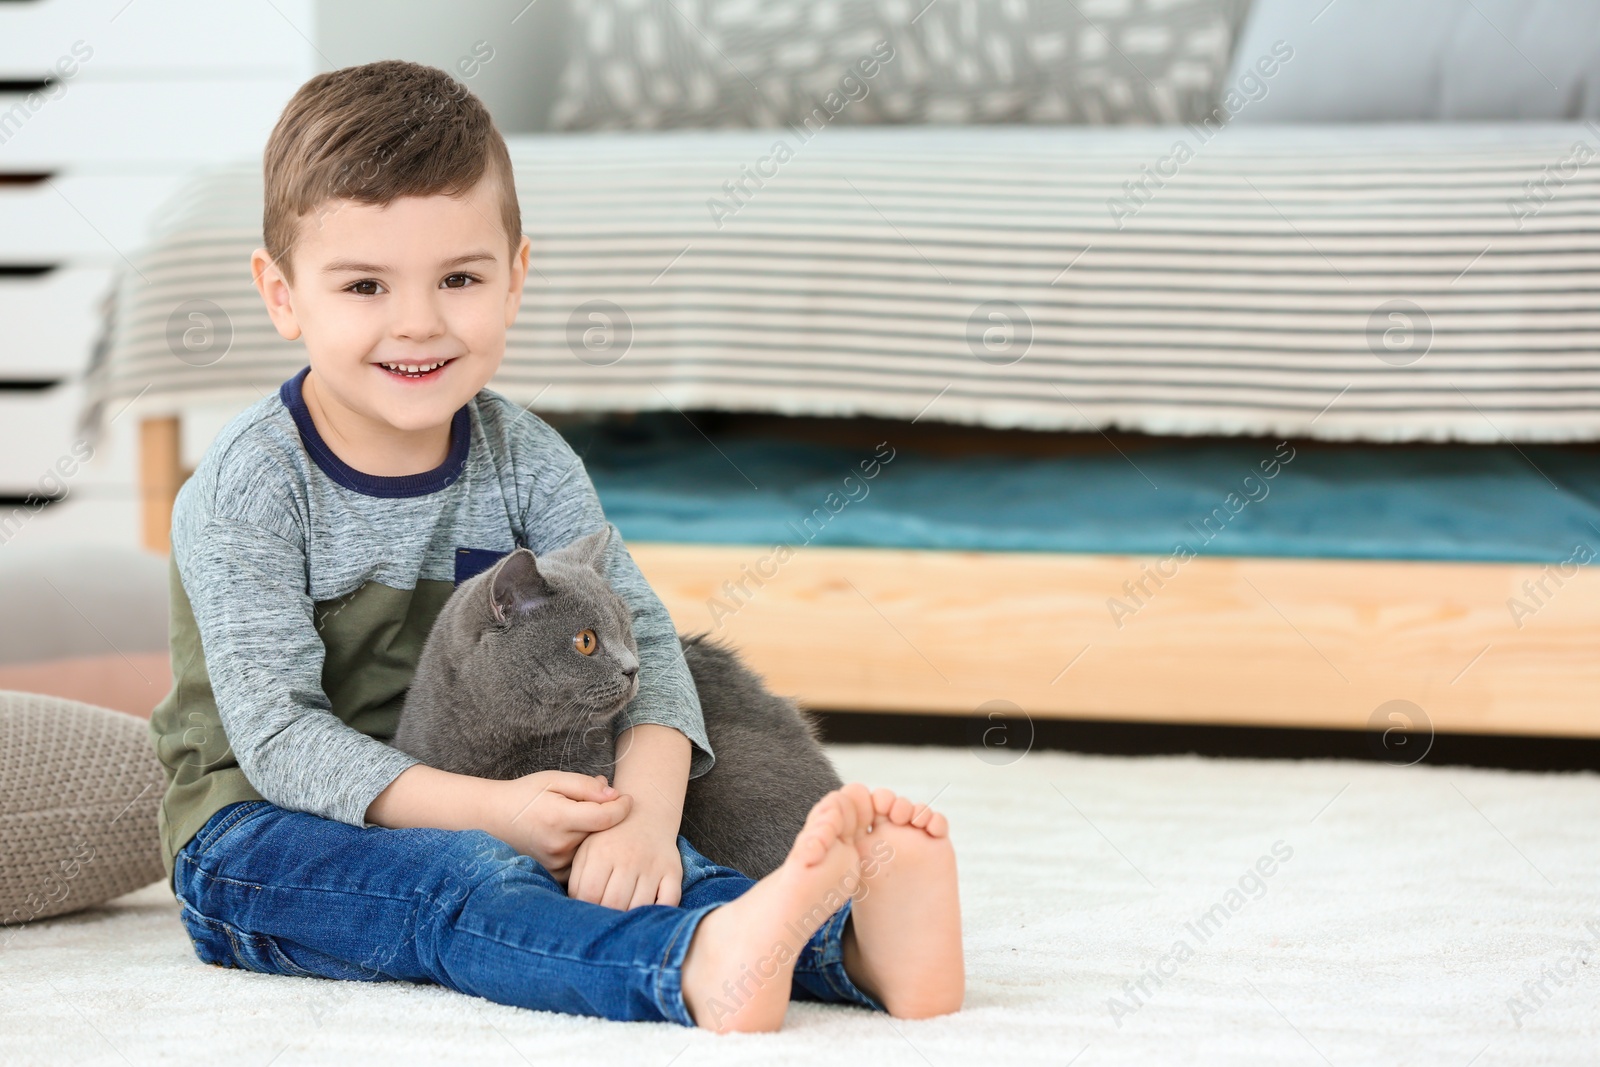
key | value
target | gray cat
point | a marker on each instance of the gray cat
(531, 662)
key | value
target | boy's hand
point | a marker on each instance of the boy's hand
(633, 863)
(548, 814)
(636, 861)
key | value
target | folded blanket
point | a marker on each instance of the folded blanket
(1379, 282)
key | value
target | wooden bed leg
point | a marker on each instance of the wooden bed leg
(161, 472)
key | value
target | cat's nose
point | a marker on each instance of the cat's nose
(629, 672)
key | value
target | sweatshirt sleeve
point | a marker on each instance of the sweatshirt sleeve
(565, 507)
(247, 588)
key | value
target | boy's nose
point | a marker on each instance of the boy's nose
(417, 318)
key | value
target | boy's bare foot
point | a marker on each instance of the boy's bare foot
(740, 963)
(903, 942)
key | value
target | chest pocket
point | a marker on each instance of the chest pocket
(472, 561)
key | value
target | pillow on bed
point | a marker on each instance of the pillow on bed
(672, 64)
(79, 790)
(1410, 60)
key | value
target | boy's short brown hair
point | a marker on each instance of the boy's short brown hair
(374, 133)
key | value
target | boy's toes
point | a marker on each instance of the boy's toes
(845, 819)
(858, 800)
(931, 821)
(810, 848)
(903, 811)
(822, 830)
(826, 817)
(883, 800)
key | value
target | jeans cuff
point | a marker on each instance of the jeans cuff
(669, 976)
(824, 957)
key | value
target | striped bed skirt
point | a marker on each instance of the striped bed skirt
(1384, 282)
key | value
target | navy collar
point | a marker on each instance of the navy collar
(430, 481)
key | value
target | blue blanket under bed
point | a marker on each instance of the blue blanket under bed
(661, 479)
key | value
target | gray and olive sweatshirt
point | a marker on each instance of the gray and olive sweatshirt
(302, 591)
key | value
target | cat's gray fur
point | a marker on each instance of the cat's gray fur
(501, 691)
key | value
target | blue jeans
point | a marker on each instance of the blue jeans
(286, 892)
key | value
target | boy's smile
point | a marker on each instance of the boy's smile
(404, 309)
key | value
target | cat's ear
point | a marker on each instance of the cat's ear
(588, 550)
(516, 587)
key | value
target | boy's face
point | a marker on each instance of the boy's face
(417, 281)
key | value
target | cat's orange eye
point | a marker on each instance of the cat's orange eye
(585, 641)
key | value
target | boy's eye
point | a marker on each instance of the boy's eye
(585, 641)
(369, 287)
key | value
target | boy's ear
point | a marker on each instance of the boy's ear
(515, 586)
(519, 276)
(274, 290)
(588, 550)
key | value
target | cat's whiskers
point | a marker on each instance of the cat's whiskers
(576, 727)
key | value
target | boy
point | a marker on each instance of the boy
(311, 551)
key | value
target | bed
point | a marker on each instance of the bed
(955, 289)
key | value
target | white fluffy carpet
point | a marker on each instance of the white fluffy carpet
(1413, 923)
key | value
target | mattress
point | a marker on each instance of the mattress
(661, 479)
(1380, 282)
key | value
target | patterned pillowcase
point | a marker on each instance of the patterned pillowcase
(670, 64)
(80, 792)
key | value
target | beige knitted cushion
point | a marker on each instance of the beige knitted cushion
(79, 790)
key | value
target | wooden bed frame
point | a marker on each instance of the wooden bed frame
(1248, 641)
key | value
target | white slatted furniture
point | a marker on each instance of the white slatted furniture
(132, 99)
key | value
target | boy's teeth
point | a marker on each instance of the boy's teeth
(423, 369)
